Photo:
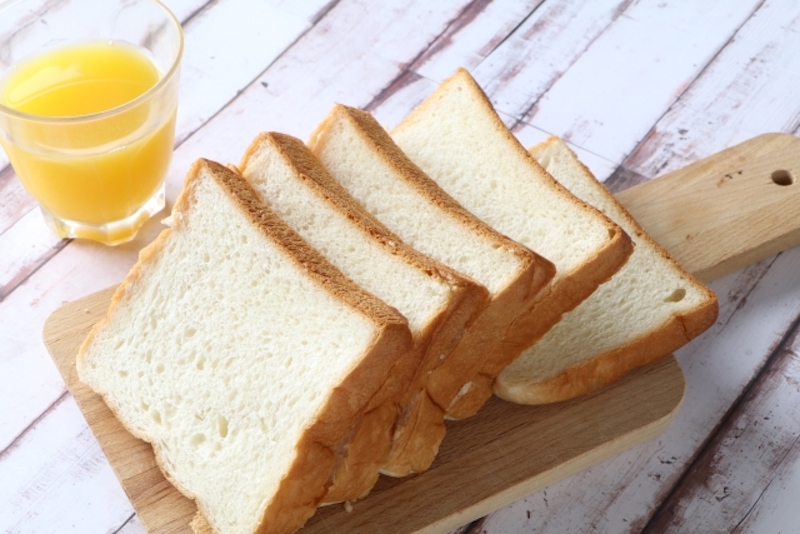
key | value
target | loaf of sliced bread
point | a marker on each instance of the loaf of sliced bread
(648, 309)
(242, 356)
(438, 302)
(362, 157)
(456, 137)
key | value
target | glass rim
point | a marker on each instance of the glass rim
(75, 119)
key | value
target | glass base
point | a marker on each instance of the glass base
(113, 233)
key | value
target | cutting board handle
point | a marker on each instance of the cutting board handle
(726, 211)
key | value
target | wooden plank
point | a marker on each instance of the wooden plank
(132, 526)
(776, 507)
(407, 92)
(631, 74)
(300, 88)
(740, 95)
(478, 31)
(528, 136)
(62, 450)
(514, 68)
(541, 50)
(487, 457)
(26, 245)
(16, 201)
(736, 479)
(28, 379)
(553, 38)
(222, 70)
(309, 10)
(183, 9)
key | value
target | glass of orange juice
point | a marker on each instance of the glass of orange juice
(88, 99)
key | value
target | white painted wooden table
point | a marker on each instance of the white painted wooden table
(637, 87)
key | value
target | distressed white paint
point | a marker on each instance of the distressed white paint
(467, 44)
(16, 204)
(392, 110)
(746, 91)
(776, 508)
(183, 9)
(29, 380)
(759, 444)
(630, 75)
(23, 245)
(551, 40)
(214, 70)
(133, 526)
(59, 456)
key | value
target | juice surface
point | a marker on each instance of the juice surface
(79, 80)
(97, 170)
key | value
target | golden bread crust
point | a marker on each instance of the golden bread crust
(356, 473)
(605, 368)
(565, 291)
(482, 340)
(417, 438)
(305, 484)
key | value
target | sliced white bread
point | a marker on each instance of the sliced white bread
(438, 302)
(456, 137)
(362, 157)
(648, 309)
(241, 355)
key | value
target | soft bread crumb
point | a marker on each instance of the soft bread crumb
(648, 309)
(222, 378)
(456, 137)
(437, 301)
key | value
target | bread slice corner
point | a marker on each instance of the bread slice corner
(243, 389)
(456, 137)
(648, 309)
(438, 302)
(363, 159)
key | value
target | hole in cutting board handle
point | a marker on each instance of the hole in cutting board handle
(782, 177)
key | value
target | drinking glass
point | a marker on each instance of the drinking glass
(100, 174)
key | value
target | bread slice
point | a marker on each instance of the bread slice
(648, 309)
(438, 302)
(241, 355)
(457, 139)
(362, 157)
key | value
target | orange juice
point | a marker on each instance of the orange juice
(106, 167)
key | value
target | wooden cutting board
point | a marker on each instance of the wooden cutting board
(715, 216)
